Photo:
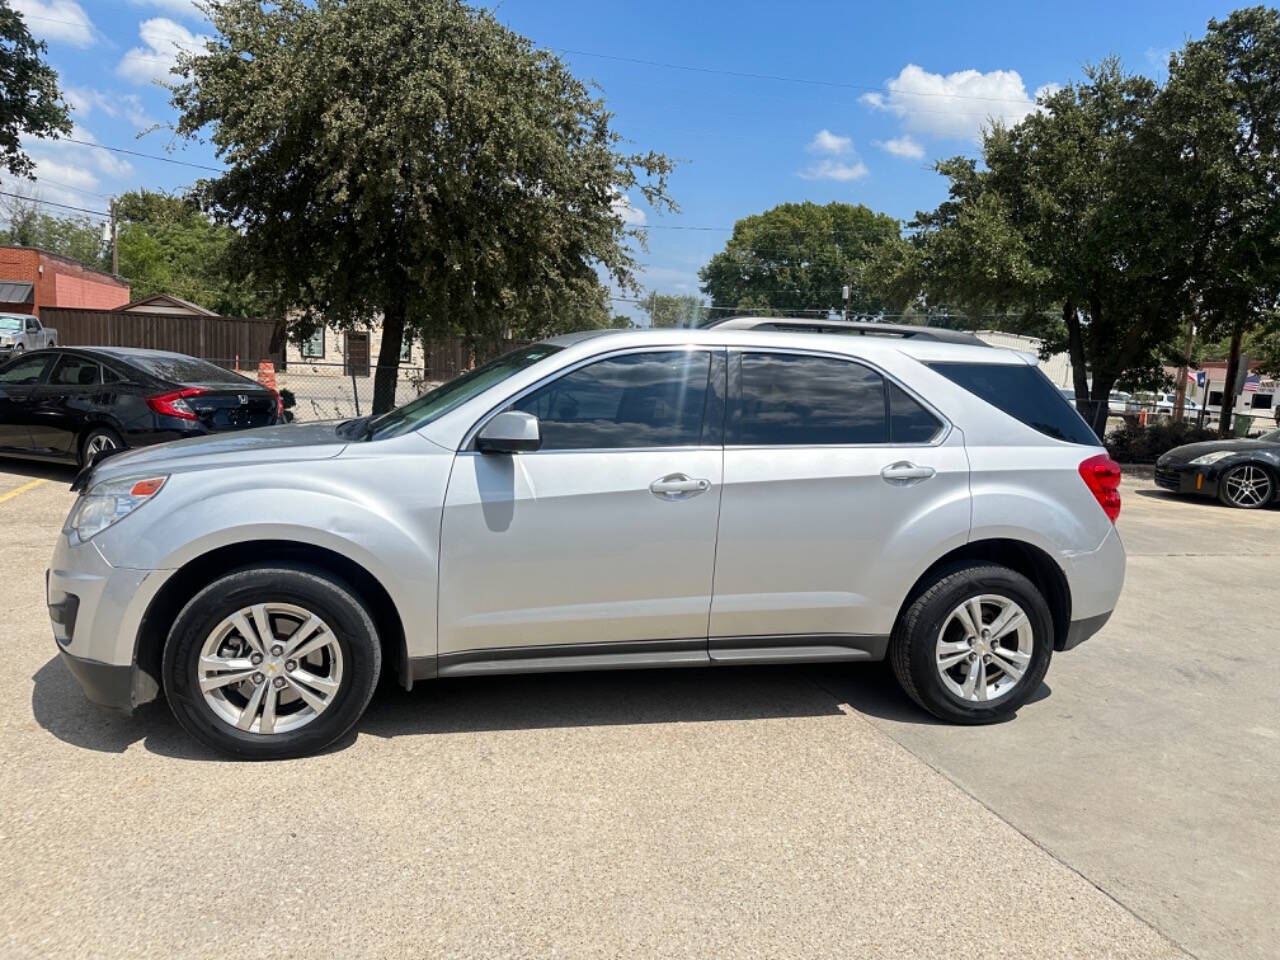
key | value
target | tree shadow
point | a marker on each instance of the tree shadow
(39, 470)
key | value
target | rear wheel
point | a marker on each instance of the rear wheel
(99, 440)
(975, 646)
(1248, 486)
(272, 662)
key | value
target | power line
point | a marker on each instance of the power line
(148, 156)
(879, 88)
(51, 203)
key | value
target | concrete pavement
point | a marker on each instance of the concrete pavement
(735, 812)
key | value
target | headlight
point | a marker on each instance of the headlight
(1207, 458)
(106, 503)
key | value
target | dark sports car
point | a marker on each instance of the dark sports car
(72, 403)
(1240, 473)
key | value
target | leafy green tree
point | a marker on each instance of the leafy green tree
(1222, 108)
(1078, 222)
(665, 310)
(30, 102)
(76, 237)
(796, 259)
(416, 165)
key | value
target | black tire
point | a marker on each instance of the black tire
(317, 591)
(98, 435)
(18, 349)
(1226, 495)
(913, 646)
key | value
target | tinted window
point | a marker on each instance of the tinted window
(75, 371)
(179, 369)
(908, 421)
(788, 399)
(636, 400)
(27, 370)
(1025, 394)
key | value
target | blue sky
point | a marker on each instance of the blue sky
(895, 86)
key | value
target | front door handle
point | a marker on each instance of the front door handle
(678, 486)
(904, 473)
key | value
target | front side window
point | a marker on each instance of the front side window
(634, 400)
(24, 371)
(73, 371)
(791, 399)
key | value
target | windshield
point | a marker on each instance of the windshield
(1272, 437)
(10, 323)
(436, 403)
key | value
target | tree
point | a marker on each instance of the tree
(1221, 107)
(76, 237)
(1081, 209)
(416, 165)
(796, 259)
(30, 102)
(665, 310)
(168, 246)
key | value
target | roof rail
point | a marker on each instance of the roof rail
(864, 328)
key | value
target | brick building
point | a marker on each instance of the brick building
(31, 279)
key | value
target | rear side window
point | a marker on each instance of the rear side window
(73, 371)
(908, 421)
(789, 399)
(1024, 393)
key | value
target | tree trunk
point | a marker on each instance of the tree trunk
(1180, 397)
(1079, 363)
(1229, 385)
(1100, 402)
(388, 369)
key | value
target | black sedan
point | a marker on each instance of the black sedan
(72, 403)
(1240, 473)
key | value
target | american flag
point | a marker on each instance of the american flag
(1252, 382)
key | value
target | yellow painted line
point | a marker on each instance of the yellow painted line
(18, 491)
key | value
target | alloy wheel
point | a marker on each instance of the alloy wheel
(984, 648)
(270, 668)
(1248, 486)
(98, 444)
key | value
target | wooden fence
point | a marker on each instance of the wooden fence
(213, 338)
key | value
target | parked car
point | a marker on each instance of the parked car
(1117, 400)
(564, 507)
(71, 404)
(20, 332)
(1160, 404)
(1240, 473)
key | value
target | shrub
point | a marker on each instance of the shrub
(1134, 444)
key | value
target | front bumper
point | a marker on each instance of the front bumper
(95, 611)
(1184, 478)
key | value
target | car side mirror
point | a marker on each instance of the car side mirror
(511, 431)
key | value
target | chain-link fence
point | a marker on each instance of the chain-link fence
(1136, 414)
(316, 390)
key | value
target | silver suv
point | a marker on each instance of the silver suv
(598, 501)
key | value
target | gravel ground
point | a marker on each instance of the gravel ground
(734, 812)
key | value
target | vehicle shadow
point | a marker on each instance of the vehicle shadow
(528, 702)
(38, 470)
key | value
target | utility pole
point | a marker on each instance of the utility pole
(115, 240)
(1180, 395)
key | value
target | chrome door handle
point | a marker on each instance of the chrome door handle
(678, 486)
(904, 473)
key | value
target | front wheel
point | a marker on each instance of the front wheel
(975, 646)
(1247, 486)
(272, 662)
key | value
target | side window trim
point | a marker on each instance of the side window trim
(734, 401)
(468, 444)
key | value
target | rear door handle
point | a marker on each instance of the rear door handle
(904, 473)
(678, 486)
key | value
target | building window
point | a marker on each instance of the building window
(356, 355)
(406, 350)
(313, 346)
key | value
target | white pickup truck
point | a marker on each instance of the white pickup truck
(20, 332)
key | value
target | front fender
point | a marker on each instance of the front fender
(382, 514)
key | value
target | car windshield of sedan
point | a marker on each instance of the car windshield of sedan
(436, 403)
(10, 323)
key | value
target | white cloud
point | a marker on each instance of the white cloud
(85, 157)
(85, 100)
(955, 105)
(631, 215)
(824, 141)
(903, 146)
(58, 20)
(179, 8)
(162, 38)
(844, 171)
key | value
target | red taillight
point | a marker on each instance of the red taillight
(279, 404)
(175, 404)
(1101, 475)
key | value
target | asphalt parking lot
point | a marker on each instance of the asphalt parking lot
(1131, 810)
